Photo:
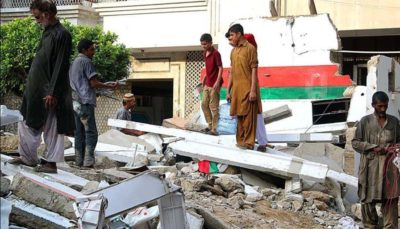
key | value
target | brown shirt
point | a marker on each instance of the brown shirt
(243, 60)
(369, 134)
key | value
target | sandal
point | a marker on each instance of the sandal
(18, 161)
(45, 169)
(269, 146)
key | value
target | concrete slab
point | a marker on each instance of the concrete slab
(63, 177)
(280, 165)
(45, 193)
(116, 137)
(264, 162)
(31, 216)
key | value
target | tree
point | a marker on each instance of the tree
(20, 37)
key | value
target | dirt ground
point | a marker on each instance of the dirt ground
(259, 216)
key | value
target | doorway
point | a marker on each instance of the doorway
(154, 101)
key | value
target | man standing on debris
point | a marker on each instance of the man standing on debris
(125, 113)
(211, 83)
(378, 178)
(83, 83)
(47, 104)
(243, 87)
(261, 132)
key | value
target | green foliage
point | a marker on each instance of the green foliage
(111, 59)
(20, 38)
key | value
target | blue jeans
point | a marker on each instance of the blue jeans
(85, 136)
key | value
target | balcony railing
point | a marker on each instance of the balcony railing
(26, 3)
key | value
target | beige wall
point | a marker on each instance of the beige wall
(351, 14)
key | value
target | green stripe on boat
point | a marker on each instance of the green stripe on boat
(297, 92)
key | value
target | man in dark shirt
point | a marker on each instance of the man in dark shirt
(211, 84)
(47, 104)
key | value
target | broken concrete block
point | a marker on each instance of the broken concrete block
(297, 205)
(216, 190)
(45, 193)
(30, 216)
(232, 170)
(293, 185)
(191, 168)
(277, 114)
(5, 186)
(9, 143)
(284, 204)
(317, 152)
(269, 191)
(335, 153)
(229, 183)
(116, 137)
(105, 163)
(154, 140)
(294, 197)
(320, 205)
(90, 187)
(318, 196)
(155, 157)
(251, 194)
(190, 185)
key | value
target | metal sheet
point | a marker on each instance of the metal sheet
(133, 192)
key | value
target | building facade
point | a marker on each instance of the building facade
(163, 36)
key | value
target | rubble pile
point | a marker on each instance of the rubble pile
(136, 181)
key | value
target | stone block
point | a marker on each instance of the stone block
(5, 186)
(228, 183)
(45, 193)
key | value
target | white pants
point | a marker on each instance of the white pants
(261, 133)
(29, 141)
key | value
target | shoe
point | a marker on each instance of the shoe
(205, 130)
(18, 161)
(262, 148)
(269, 146)
(45, 169)
(215, 133)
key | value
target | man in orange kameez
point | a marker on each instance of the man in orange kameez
(243, 88)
